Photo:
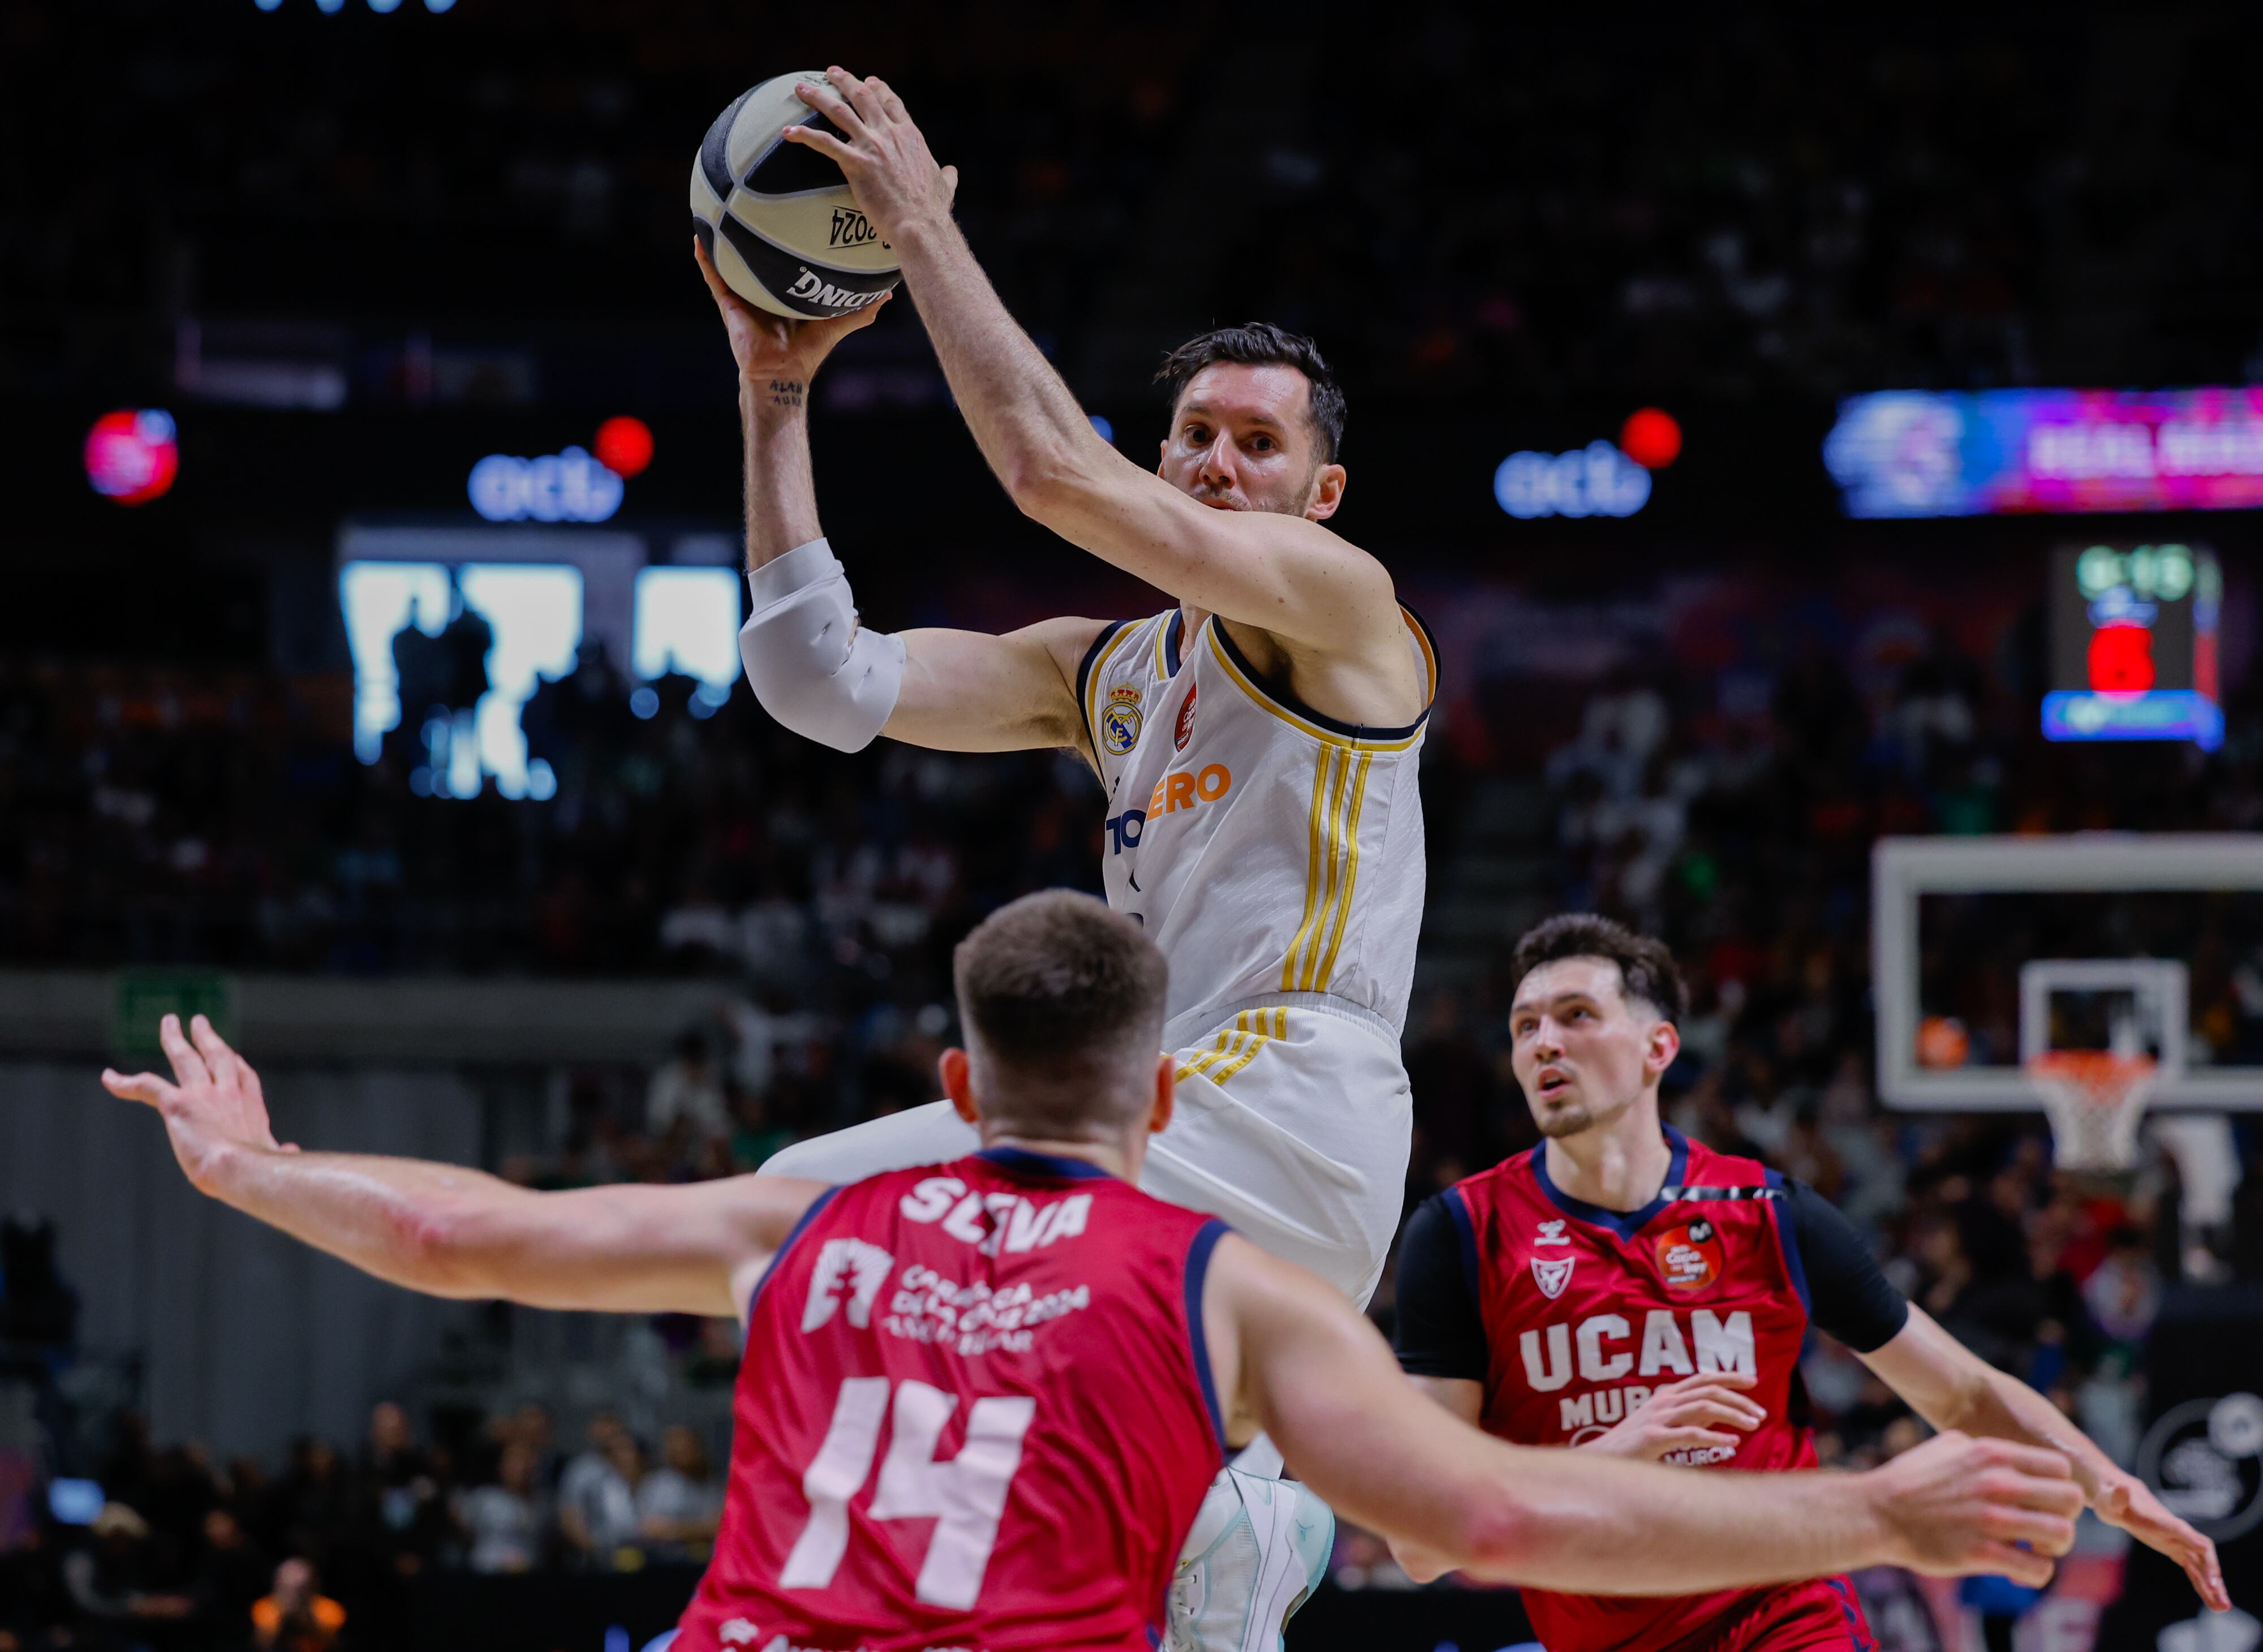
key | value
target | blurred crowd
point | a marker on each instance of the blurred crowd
(1730, 203)
(148, 817)
(174, 1552)
(1731, 813)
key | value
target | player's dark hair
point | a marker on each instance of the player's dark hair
(1646, 968)
(1063, 1000)
(1262, 344)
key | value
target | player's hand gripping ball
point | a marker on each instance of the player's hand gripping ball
(776, 219)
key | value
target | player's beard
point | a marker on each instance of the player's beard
(1290, 504)
(1566, 1122)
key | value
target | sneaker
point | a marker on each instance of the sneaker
(1258, 1549)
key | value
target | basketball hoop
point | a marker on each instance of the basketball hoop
(2096, 1100)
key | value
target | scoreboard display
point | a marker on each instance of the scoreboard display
(2133, 651)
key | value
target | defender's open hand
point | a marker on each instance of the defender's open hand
(2127, 1502)
(213, 1106)
(1957, 1506)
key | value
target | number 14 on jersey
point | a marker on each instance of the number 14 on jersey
(965, 1495)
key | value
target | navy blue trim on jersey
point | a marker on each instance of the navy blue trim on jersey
(1458, 1209)
(1280, 696)
(1198, 1254)
(1431, 641)
(1859, 1638)
(1786, 1234)
(1625, 1223)
(1172, 633)
(1024, 1163)
(1084, 677)
(787, 1244)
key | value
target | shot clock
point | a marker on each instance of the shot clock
(2133, 651)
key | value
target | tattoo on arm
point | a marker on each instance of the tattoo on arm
(785, 392)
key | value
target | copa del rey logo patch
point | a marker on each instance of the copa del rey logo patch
(1552, 1274)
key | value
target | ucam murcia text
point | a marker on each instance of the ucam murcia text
(1603, 1349)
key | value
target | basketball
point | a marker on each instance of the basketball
(777, 217)
(1943, 1041)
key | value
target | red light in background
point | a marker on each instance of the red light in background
(131, 456)
(1651, 437)
(624, 445)
(2121, 659)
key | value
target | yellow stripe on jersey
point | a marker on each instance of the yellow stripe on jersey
(1314, 830)
(1228, 1041)
(1237, 1045)
(1332, 883)
(1351, 872)
(1278, 1017)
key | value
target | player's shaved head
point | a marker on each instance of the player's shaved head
(1062, 1003)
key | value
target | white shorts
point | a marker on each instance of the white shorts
(1293, 1123)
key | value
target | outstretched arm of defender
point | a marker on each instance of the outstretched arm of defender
(1951, 1387)
(1325, 1386)
(449, 1231)
(811, 664)
(1281, 574)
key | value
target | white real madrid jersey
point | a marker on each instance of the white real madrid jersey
(1268, 850)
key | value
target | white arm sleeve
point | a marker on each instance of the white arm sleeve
(809, 662)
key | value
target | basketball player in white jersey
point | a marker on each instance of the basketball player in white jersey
(1258, 743)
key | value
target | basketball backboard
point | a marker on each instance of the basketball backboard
(1988, 953)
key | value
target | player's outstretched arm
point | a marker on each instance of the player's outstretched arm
(1951, 1387)
(1323, 1384)
(954, 691)
(449, 1231)
(1282, 574)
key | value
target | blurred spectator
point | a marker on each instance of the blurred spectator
(232, 1575)
(597, 1495)
(2124, 1294)
(313, 1500)
(687, 1090)
(296, 1616)
(503, 1521)
(112, 1578)
(402, 1513)
(680, 1504)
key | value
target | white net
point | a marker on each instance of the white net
(2095, 1100)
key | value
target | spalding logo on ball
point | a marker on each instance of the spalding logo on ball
(777, 217)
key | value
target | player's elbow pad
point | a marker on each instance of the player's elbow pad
(809, 662)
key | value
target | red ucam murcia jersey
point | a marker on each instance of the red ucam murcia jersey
(975, 1413)
(1587, 1310)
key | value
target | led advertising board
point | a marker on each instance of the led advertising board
(1985, 452)
(1599, 479)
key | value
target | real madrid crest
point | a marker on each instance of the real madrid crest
(1119, 720)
